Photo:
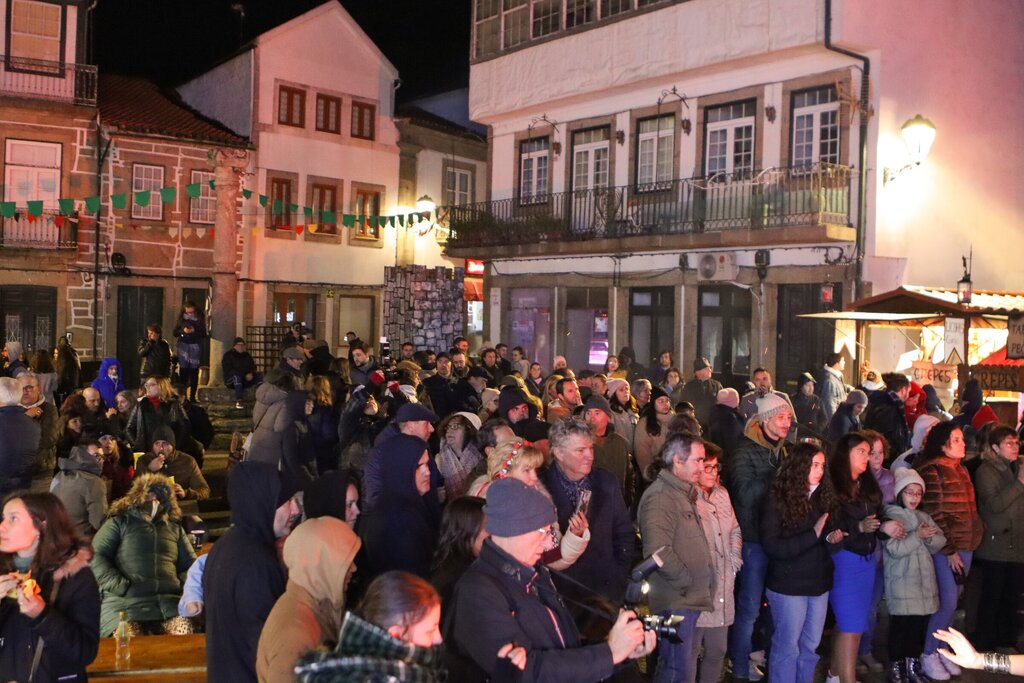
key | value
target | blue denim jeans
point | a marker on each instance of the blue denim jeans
(675, 660)
(748, 604)
(799, 621)
(949, 593)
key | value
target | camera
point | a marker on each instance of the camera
(385, 351)
(668, 627)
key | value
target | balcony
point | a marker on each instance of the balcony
(45, 80)
(775, 206)
(41, 233)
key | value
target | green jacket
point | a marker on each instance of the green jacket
(1000, 497)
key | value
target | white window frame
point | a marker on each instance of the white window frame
(203, 209)
(730, 128)
(151, 178)
(454, 195)
(818, 113)
(36, 11)
(37, 177)
(588, 165)
(533, 184)
(658, 147)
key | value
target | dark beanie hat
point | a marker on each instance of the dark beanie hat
(657, 392)
(513, 509)
(164, 433)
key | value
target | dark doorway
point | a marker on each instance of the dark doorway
(652, 322)
(201, 298)
(28, 315)
(723, 327)
(803, 343)
(136, 308)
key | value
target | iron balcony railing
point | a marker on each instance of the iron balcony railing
(817, 194)
(48, 231)
(46, 80)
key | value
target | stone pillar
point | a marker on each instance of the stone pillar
(423, 305)
(228, 168)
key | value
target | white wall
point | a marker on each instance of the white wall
(206, 93)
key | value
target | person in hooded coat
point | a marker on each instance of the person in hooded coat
(80, 486)
(320, 556)
(243, 576)
(109, 383)
(400, 530)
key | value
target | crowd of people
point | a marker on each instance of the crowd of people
(439, 512)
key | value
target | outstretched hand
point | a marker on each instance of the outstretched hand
(963, 652)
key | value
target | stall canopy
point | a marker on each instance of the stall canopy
(986, 309)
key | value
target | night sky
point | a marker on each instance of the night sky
(169, 41)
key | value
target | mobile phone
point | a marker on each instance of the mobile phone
(584, 502)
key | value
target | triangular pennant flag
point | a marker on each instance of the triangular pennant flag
(59, 221)
(172, 231)
(264, 199)
(348, 220)
(307, 211)
(118, 225)
(32, 219)
(293, 209)
(120, 200)
(35, 208)
(142, 197)
(312, 227)
(298, 229)
(92, 204)
(187, 232)
(247, 194)
(193, 189)
(278, 208)
(382, 221)
(211, 232)
(213, 185)
(168, 194)
(17, 215)
(329, 217)
(66, 205)
(401, 220)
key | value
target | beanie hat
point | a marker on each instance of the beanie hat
(657, 392)
(415, 412)
(984, 415)
(770, 405)
(238, 340)
(612, 385)
(595, 402)
(477, 371)
(728, 397)
(164, 433)
(489, 394)
(857, 397)
(513, 509)
(701, 363)
(905, 476)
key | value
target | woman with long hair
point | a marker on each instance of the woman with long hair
(458, 544)
(612, 367)
(159, 407)
(799, 576)
(949, 499)
(68, 367)
(624, 409)
(652, 428)
(855, 519)
(322, 420)
(190, 333)
(641, 389)
(41, 364)
(49, 623)
(459, 455)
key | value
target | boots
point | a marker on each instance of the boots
(914, 672)
(897, 672)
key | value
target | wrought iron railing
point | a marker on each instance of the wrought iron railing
(42, 79)
(817, 194)
(51, 230)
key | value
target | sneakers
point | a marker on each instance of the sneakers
(952, 668)
(931, 666)
(870, 664)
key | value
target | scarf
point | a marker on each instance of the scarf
(572, 489)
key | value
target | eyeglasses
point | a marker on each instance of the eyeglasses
(712, 469)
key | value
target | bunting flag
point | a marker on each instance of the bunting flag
(7, 209)
(168, 194)
(142, 198)
(35, 208)
(67, 206)
(247, 194)
(92, 204)
(119, 201)
(264, 199)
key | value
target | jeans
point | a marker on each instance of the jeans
(240, 384)
(799, 621)
(675, 660)
(949, 592)
(867, 639)
(715, 642)
(748, 603)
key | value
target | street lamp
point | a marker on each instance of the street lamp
(918, 135)
(425, 204)
(964, 287)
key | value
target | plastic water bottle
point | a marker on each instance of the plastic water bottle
(122, 638)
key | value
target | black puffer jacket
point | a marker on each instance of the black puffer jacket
(799, 562)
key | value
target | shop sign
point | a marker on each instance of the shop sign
(1015, 339)
(939, 375)
(953, 336)
(998, 377)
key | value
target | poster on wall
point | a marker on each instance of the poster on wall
(1015, 338)
(953, 338)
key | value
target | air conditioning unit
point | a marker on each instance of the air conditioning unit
(717, 266)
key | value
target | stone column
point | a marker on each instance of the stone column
(228, 168)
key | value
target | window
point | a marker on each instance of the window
(325, 198)
(328, 113)
(458, 186)
(487, 26)
(367, 204)
(579, 12)
(32, 172)
(590, 159)
(150, 179)
(363, 120)
(730, 139)
(654, 149)
(547, 17)
(35, 31)
(533, 170)
(291, 107)
(610, 8)
(815, 127)
(203, 209)
(280, 191)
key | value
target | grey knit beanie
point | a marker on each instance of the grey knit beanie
(513, 509)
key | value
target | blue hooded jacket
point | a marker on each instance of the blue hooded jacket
(108, 388)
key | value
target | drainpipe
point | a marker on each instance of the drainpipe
(862, 195)
(101, 156)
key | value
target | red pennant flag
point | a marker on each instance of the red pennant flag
(285, 227)
(59, 221)
(31, 218)
(211, 232)
(298, 229)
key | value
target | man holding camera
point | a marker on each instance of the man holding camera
(670, 524)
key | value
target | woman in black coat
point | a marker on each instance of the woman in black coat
(56, 614)
(159, 407)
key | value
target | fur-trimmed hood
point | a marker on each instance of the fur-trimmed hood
(74, 564)
(137, 498)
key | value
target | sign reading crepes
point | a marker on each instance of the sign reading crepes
(1015, 339)
(998, 378)
(938, 375)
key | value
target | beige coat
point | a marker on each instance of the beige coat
(726, 545)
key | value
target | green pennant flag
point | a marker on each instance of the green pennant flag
(247, 194)
(120, 200)
(193, 189)
(348, 220)
(35, 208)
(67, 206)
(168, 195)
(7, 209)
(293, 209)
(362, 220)
(401, 220)
(328, 217)
(264, 199)
(213, 185)
(92, 204)
(410, 219)
(142, 197)
(278, 207)
(391, 221)
(307, 211)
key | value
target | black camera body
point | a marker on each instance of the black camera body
(668, 627)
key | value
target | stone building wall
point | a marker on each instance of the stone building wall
(423, 305)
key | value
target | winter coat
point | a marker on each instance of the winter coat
(456, 467)
(611, 453)
(235, 364)
(886, 415)
(68, 626)
(702, 394)
(189, 349)
(531, 429)
(107, 387)
(725, 429)
(141, 560)
(842, 423)
(155, 357)
(1001, 505)
(750, 474)
(441, 391)
(323, 433)
(604, 565)
(624, 422)
(645, 446)
(145, 419)
(799, 562)
(498, 600)
(848, 519)
(832, 390)
(82, 490)
(809, 414)
(49, 422)
(270, 419)
(186, 473)
(308, 615)
(910, 585)
(243, 576)
(18, 447)
(356, 431)
(360, 374)
(949, 499)
(725, 542)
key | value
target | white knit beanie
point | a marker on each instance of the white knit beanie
(770, 405)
